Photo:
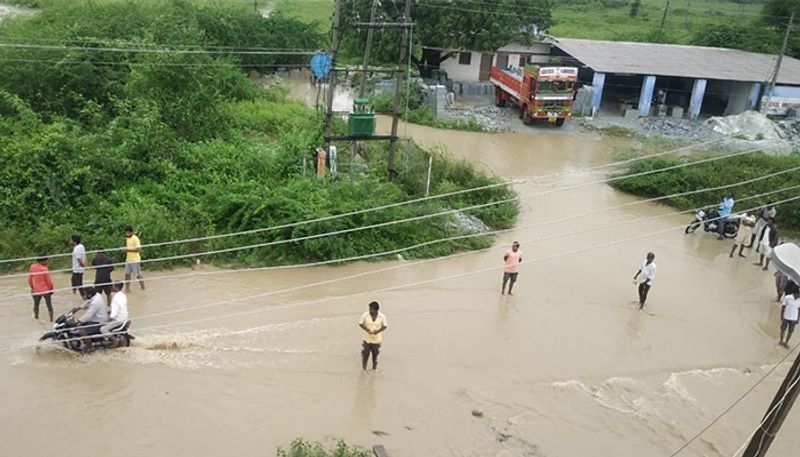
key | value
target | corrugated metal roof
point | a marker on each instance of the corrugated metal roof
(678, 60)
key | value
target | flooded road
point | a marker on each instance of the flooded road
(567, 366)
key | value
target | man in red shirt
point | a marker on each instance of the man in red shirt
(41, 286)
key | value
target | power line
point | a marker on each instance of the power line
(454, 238)
(383, 224)
(390, 205)
(149, 50)
(733, 405)
(396, 287)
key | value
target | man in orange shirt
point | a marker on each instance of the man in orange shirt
(512, 259)
(41, 286)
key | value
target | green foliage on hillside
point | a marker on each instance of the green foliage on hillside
(183, 144)
(719, 173)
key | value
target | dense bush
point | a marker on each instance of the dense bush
(302, 448)
(183, 145)
(719, 173)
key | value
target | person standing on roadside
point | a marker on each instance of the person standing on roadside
(790, 311)
(768, 241)
(102, 272)
(725, 209)
(645, 276)
(78, 264)
(41, 286)
(373, 322)
(512, 259)
(133, 259)
(744, 234)
(767, 213)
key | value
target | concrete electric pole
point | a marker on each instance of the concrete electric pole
(776, 413)
(368, 49)
(778, 63)
(398, 84)
(332, 74)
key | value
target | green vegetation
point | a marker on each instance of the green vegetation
(318, 12)
(302, 448)
(419, 113)
(611, 130)
(751, 25)
(719, 173)
(182, 144)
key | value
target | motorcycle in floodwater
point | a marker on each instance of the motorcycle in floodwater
(67, 331)
(708, 220)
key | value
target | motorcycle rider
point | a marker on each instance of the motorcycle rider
(96, 312)
(725, 208)
(119, 312)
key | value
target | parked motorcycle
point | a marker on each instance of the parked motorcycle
(708, 220)
(67, 330)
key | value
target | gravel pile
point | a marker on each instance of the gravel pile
(468, 224)
(676, 128)
(490, 117)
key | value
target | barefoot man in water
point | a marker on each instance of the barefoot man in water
(512, 258)
(645, 276)
(373, 322)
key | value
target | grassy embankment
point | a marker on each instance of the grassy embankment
(183, 144)
(612, 20)
(720, 173)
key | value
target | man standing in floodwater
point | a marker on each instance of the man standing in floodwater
(41, 286)
(373, 322)
(645, 276)
(512, 258)
(78, 264)
(790, 311)
(133, 259)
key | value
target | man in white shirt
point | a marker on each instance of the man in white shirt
(78, 264)
(96, 311)
(645, 276)
(790, 311)
(373, 323)
(119, 309)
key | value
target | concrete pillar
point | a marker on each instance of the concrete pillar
(598, 81)
(696, 102)
(646, 96)
(755, 91)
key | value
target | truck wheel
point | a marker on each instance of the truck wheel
(560, 121)
(526, 116)
(498, 98)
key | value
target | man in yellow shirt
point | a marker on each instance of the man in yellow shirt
(373, 323)
(133, 259)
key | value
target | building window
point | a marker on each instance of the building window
(523, 60)
(465, 58)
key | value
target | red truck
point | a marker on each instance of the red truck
(540, 92)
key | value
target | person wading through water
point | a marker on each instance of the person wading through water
(646, 275)
(373, 322)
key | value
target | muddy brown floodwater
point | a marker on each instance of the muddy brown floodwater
(566, 367)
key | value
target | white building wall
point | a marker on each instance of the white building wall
(460, 72)
(470, 73)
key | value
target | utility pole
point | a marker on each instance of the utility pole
(368, 49)
(332, 74)
(397, 96)
(664, 17)
(778, 63)
(776, 413)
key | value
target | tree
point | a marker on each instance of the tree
(636, 5)
(443, 27)
(777, 12)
